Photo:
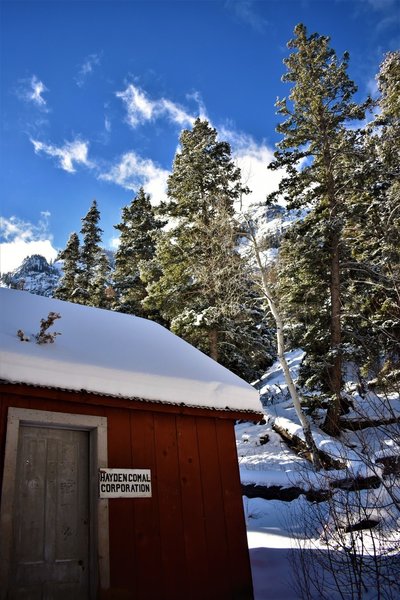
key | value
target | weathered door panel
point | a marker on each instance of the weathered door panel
(51, 515)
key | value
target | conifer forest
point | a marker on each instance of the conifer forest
(196, 262)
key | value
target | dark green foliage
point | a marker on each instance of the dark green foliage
(70, 257)
(101, 290)
(205, 180)
(373, 227)
(89, 257)
(86, 267)
(197, 280)
(315, 113)
(138, 231)
(303, 292)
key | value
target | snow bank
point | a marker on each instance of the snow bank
(114, 354)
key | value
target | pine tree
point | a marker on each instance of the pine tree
(197, 280)
(89, 257)
(70, 257)
(389, 152)
(303, 291)
(86, 267)
(138, 229)
(374, 225)
(315, 151)
(101, 289)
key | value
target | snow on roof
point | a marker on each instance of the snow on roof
(114, 354)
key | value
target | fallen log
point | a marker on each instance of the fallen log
(300, 447)
(287, 494)
(364, 423)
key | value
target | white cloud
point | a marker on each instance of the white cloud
(21, 239)
(252, 158)
(132, 171)
(38, 88)
(67, 155)
(86, 68)
(140, 108)
(176, 113)
(32, 90)
(114, 243)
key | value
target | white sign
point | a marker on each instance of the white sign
(124, 483)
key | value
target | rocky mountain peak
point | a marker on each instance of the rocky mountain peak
(34, 275)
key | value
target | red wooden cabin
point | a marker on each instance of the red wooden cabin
(117, 392)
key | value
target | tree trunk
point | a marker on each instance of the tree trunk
(213, 344)
(281, 356)
(331, 424)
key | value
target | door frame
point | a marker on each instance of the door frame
(99, 530)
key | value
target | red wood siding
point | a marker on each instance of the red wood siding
(189, 539)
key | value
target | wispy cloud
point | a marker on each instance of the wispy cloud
(201, 107)
(87, 67)
(386, 19)
(381, 4)
(71, 153)
(245, 11)
(132, 171)
(15, 228)
(38, 88)
(32, 90)
(20, 239)
(107, 124)
(140, 108)
(174, 112)
(388, 22)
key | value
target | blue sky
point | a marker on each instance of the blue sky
(94, 96)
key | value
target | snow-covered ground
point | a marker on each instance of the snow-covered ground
(284, 534)
(271, 529)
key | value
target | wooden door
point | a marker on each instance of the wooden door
(50, 559)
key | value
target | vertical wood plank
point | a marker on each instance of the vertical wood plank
(213, 499)
(173, 564)
(147, 521)
(234, 517)
(122, 526)
(192, 508)
(51, 509)
(3, 428)
(29, 501)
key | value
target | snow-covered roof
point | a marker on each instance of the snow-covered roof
(110, 353)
